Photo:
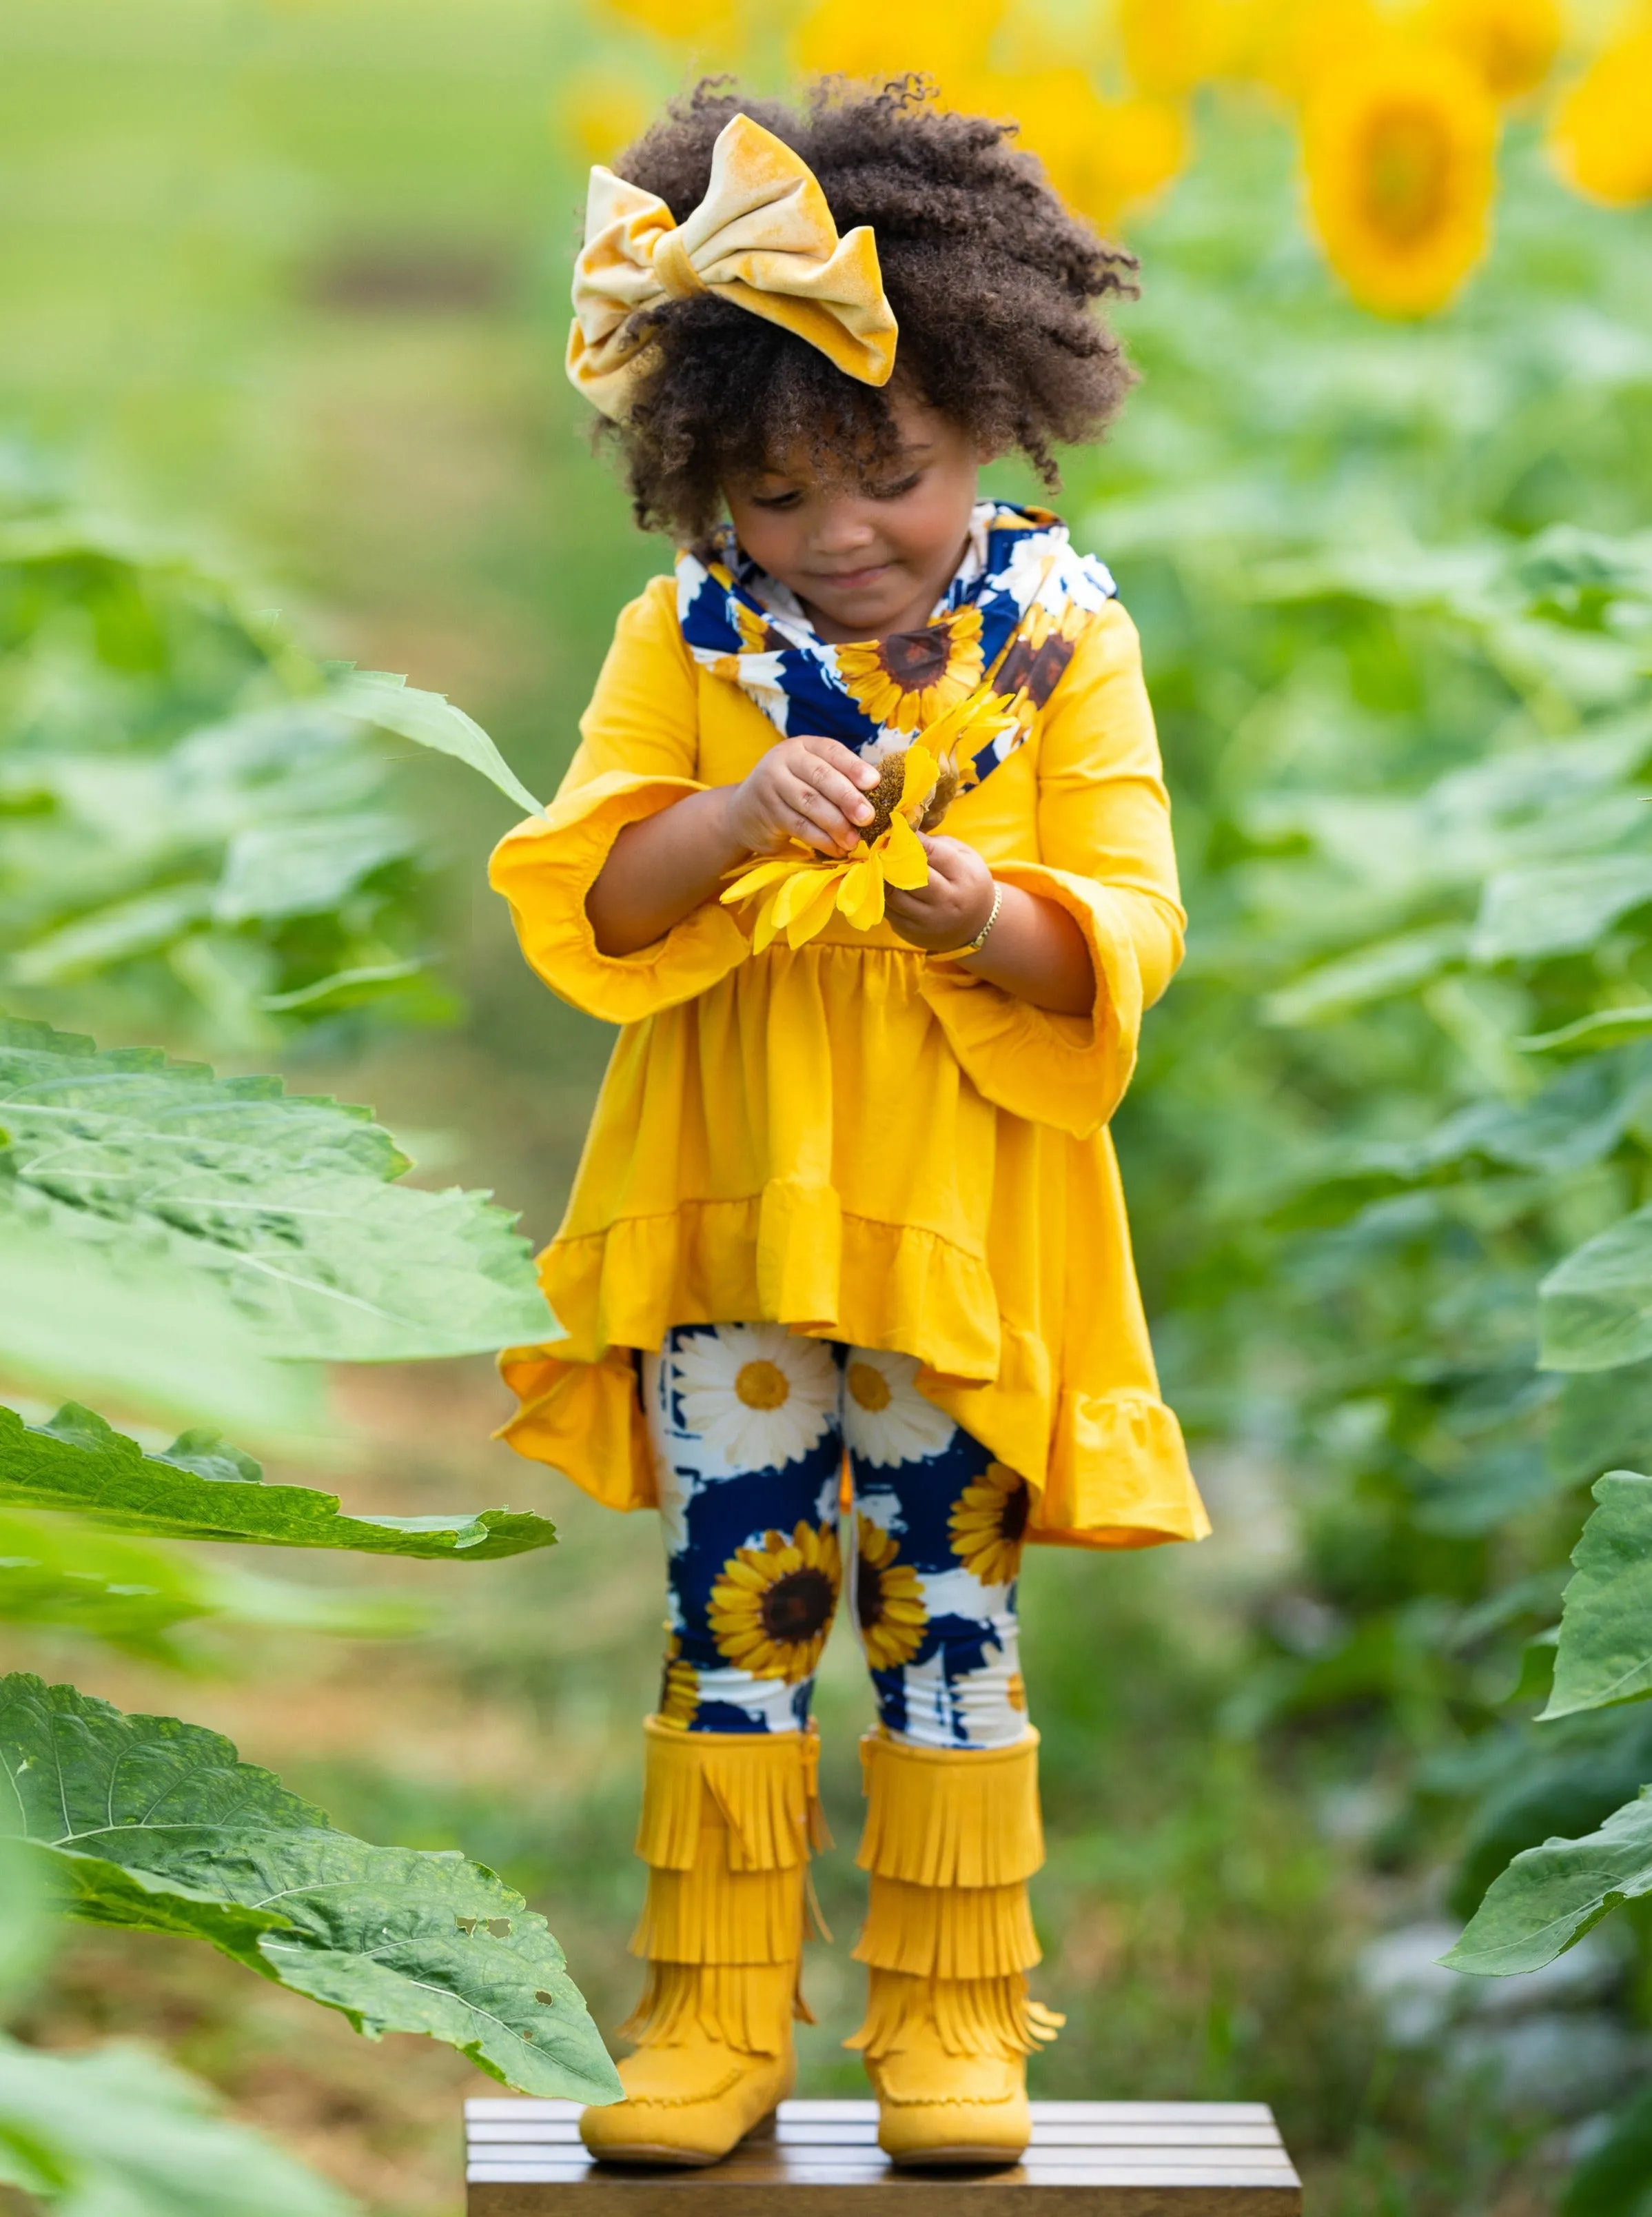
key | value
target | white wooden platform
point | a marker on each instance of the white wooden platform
(1088, 2160)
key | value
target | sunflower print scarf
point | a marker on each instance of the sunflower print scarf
(1015, 610)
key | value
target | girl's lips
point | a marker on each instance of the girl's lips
(853, 581)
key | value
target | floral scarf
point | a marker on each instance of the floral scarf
(1015, 611)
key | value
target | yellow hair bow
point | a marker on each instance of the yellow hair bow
(763, 237)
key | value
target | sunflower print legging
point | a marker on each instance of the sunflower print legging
(749, 1425)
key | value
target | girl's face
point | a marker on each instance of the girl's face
(866, 559)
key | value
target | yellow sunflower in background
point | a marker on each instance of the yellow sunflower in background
(988, 1523)
(1510, 44)
(945, 39)
(772, 1606)
(602, 111)
(1600, 139)
(908, 679)
(1400, 143)
(678, 1689)
(1102, 156)
(888, 1599)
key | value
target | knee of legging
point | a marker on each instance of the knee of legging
(956, 1700)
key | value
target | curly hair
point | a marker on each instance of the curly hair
(991, 280)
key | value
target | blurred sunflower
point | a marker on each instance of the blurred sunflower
(602, 111)
(1171, 47)
(771, 1607)
(1102, 156)
(1600, 137)
(713, 27)
(908, 678)
(1400, 147)
(1289, 44)
(678, 1689)
(1510, 44)
(888, 1599)
(947, 39)
(887, 1421)
(759, 1397)
(988, 1523)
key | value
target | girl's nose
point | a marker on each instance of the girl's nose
(843, 529)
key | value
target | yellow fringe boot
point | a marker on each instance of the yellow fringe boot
(728, 1821)
(951, 1838)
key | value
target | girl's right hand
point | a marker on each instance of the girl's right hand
(803, 788)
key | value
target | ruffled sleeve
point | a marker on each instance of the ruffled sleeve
(638, 754)
(1106, 856)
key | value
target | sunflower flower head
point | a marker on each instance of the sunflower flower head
(988, 1525)
(772, 1605)
(889, 1607)
(799, 892)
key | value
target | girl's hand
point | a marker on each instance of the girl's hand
(803, 788)
(951, 908)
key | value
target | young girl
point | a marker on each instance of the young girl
(845, 1277)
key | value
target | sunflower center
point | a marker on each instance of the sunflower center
(869, 1387)
(916, 658)
(868, 1594)
(797, 1606)
(1407, 162)
(762, 1384)
(1012, 1518)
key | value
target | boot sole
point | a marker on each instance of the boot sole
(654, 2156)
(959, 2158)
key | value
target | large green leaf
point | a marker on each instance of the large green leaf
(155, 1824)
(144, 1330)
(1605, 1655)
(1550, 1896)
(135, 1594)
(119, 2132)
(288, 1202)
(202, 1489)
(1597, 1304)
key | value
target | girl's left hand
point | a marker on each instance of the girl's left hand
(951, 908)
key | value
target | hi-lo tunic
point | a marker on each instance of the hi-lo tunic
(849, 1138)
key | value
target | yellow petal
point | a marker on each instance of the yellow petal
(767, 922)
(918, 781)
(765, 874)
(808, 916)
(860, 896)
(900, 852)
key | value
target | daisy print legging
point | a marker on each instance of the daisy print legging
(749, 1425)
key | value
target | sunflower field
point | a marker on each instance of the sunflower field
(1351, 1807)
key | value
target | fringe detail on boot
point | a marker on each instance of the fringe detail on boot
(713, 1915)
(948, 1932)
(972, 2016)
(749, 2007)
(946, 1817)
(763, 1783)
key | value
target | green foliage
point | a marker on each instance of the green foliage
(121, 2134)
(153, 1823)
(196, 839)
(55, 1571)
(393, 705)
(289, 1204)
(1605, 1655)
(1551, 1895)
(202, 1489)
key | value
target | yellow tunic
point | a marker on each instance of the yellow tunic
(850, 1139)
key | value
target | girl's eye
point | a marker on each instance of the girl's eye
(780, 500)
(898, 490)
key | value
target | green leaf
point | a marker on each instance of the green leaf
(286, 1202)
(1369, 974)
(305, 867)
(134, 1594)
(144, 1332)
(1603, 1420)
(1557, 908)
(1596, 1306)
(119, 2132)
(153, 1823)
(201, 1489)
(1593, 1034)
(1606, 1628)
(392, 703)
(1550, 1896)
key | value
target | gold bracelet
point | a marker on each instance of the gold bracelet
(962, 953)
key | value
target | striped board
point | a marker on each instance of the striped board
(822, 2159)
